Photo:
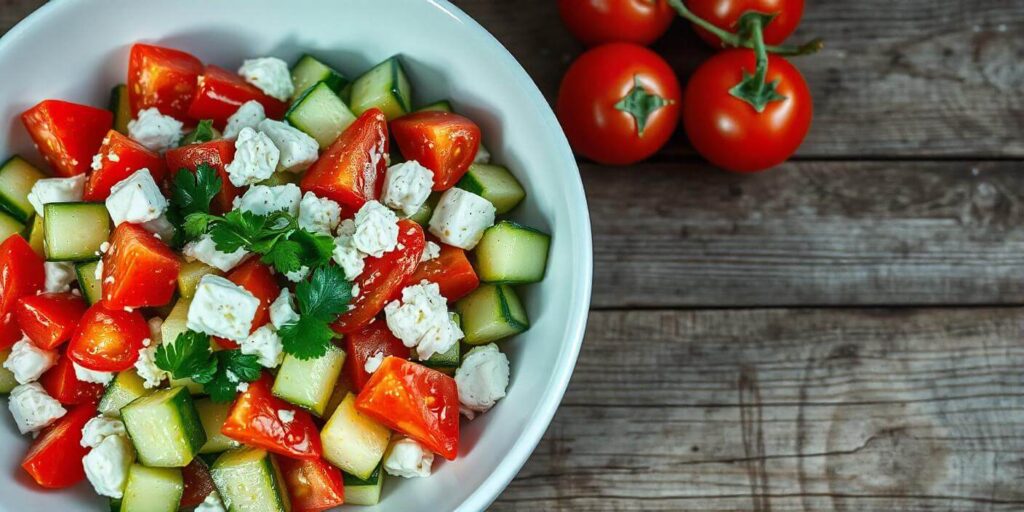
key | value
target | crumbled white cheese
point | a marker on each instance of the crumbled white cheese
(136, 199)
(421, 320)
(482, 378)
(285, 415)
(154, 130)
(222, 308)
(318, 215)
(461, 217)
(146, 367)
(430, 252)
(255, 160)
(265, 344)
(205, 250)
(32, 408)
(86, 375)
(348, 257)
(248, 115)
(373, 362)
(99, 428)
(98, 272)
(297, 275)
(59, 276)
(298, 150)
(242, 387)
(56, 190)
(407, 186)
(212, 503)
(28, 362)
(270, 75)
(376, 229)
(106, 466)
(408, 459)
(161, 228)
(264, 200)
(281, 310)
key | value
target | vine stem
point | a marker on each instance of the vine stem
(732, 39)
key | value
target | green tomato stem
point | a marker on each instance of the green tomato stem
(734, 40)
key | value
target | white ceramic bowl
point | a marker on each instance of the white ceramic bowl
(77, 50)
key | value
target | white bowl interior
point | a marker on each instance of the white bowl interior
(77, 50)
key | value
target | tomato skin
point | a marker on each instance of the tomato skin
(725, 14)
(67, 134)
(49, 319)
(163, 78)
(21, 274)
(728, 131)
(595, 22)
(221, 92)
(253, 420)
(595, 83)
(443, 142)
(139, 270)
(108, 340)
(198, 483)
(55, 458)
(130, 157)
(62, 384)
(313, 485)
(383, 278)
(217, 154)
(452, 272)
(363, 344)
(417, 401)
(259, 280)
(341, 172)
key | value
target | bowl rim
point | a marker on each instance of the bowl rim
(578, 222)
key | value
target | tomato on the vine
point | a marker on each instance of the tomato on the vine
(618, 103)
(725, 14)
(607, 21)
(729, 131)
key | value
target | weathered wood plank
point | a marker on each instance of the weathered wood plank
(788, 410)
(808, 233)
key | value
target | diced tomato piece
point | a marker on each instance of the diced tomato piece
(121, 157)
(365, 343)
(217, 154)
(254, 420)
(198, 484)
(417, 401)
(313, 485)
(21, 274)
(221, 92)
(108, 340)
(49, 319)
(139, 270)
(55, 458)
(443, 142)
(62, 384)
(258, 279)
(452, 272)
(163, 78)
(383, 278)
(351, 171)
(10, 333)
(67, 134)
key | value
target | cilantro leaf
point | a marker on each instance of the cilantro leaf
(267, 235)
(309, 338)
(284, 256)
(316, 248)
(203, 132)
(187, 357)
(233, 367)
(191, 194)
(321, 300)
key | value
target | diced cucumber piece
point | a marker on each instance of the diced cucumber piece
(123, 390)
(16, 180)
(308, 71)
(203, 132)
(511, 253)
(490, 313)
(422, 216)
(353, 442)
(495, 184)
(364, 492)
(309, 383)
(438, 106)
(75, 231)
(190, 274)
(121, 108)
(212, 415)
(7, 381)
(447, 362)
(152, 489)
(385, 87)
(321, 114)
(194, 388)
(176, 322)
(92, 288)
(36, 236)
(9, 226)
(164, 428)
(249, 480)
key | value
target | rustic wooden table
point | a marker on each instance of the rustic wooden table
(842, 333)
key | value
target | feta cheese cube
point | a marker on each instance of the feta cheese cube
(86, 375)
(421, 320)
(286, 415)
(154, 130)
(222, 308)
(255, 160)
(318, 215)
(136, 199)
(281, 310)
(32, 408)
(248, 115)
(407, 186)
(106, 466)
(270, 75)
(373, 362)
(56, 190)
(205, 250)
(264, 200)
(298, 150)
(100, 428)
(212, 503)
(59, 276)
(160, 227)
(408, 459)
(348, 257)
(430, 252)
(482, 378)
(297, 275)
(482, 156)
(145, 366)
(376, 229)
(265, 344)
(27, 361)
(461, 218)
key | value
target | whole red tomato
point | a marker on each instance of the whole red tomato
(596, 22)
(725, 13)
(618, 103)
(728, 131)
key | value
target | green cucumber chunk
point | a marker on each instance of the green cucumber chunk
(447, 362)
(422, 216)
(438, 106)
(386, 87)
(309, 383)
(364, 492)
(495, 184)
(16, 180)
(164, 428)
(124, 389)
(353, 442)
(213, 415)
(249, 480)
(92, 288)
(9, 226)
(511, 253)
(75, 231)
(490, 313)
(36, 237)
(121, 108)
(152, 489)
(309, 70)
(321, 114)
(7, 380)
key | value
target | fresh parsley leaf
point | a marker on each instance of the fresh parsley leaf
(267, 235)
(204, 132)
(233, 367)
(285, 256)
(187, 357)
(191, 194)
(316, 248)
(309, 338)
(321, 300)
(197, 224)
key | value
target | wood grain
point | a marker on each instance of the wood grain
(786, 410)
